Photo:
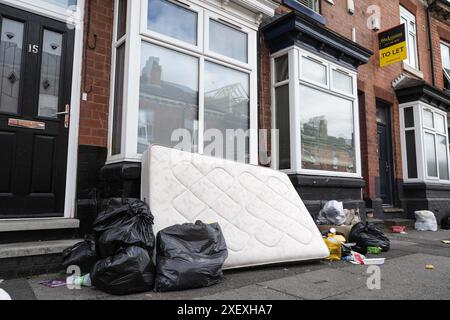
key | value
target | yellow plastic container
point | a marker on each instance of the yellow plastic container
(335, 247)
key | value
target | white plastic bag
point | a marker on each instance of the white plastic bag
(4, 296)
(426, 221)
(332, 214)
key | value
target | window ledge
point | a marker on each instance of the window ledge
(412, 71)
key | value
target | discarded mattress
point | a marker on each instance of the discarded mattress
(262, 217)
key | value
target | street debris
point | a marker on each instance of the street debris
(366, 236)
(429, 267)
(399, 229)
(446, 241)
(83, 255)
(374, 250)
(53, 283)
(425, 221)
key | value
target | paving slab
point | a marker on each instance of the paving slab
(317, 285)
(254, 292)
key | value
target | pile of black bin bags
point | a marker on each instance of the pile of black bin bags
(119, 255)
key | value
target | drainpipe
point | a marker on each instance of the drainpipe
(430, 42)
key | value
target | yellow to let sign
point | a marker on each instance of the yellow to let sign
(393, 46)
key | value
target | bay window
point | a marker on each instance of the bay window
(188, 65)
(315, 108)
(425, 143)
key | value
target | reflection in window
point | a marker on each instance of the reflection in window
(227, 106)
(118, 101)
(411, 157)
(227, 41)
(11, 46)
(168, 96)
(50, 74)
(283, 126)
(122, 19)
(327, 129)
(172, 20)
(442, 150)
(428, 120)
(430, 152)
(281, 68)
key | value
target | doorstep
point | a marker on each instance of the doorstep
(38, 248)
(14, 225)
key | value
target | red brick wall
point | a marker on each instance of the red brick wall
(94, 111)
(374, 81)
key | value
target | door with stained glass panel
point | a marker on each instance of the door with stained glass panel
(36, 56)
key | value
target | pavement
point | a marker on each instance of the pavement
(403, 276)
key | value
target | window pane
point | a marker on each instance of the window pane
(409, 117)
(227, 106)
(118, 101)
(122, 19)
(440, 123)
(172, 20)
(411, 154)
(168, 97)
(430, 150)
(50, 74)
(428, 120)
(283, 126)
(228, 41)
(281, 68)
(412, 52)
(327, 126)
(11, 47)
(314, 71)
(442, 149)
(342, 82)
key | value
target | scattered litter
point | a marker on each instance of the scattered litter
(53, 283)
(332, 213)
(84, 281)
(425, 221)
(429, 267)
(334, 246)
(374, 250)
(443, 241)
(190, 256)
(399, 229)
(376, 262)
(368, 236)
(4, 296)
(359, 259)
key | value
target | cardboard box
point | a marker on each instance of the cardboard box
(343, 230)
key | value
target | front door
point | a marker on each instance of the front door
(385, 154)
(36, 55)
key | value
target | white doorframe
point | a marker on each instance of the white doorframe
(76, 19)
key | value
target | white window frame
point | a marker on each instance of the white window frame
(137, 33)
(420, 130)
(296, 79)
(410, 18)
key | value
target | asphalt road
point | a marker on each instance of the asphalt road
(403, 276)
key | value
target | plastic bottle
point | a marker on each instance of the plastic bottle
(84, 281)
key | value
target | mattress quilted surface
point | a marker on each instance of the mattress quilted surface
(263, 219)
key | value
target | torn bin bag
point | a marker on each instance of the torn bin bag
(190, 256)
(125, 222)
(82, 254)
(131, 270)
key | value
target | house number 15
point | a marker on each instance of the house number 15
(33, 48)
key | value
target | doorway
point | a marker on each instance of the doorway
(36, 61)
(385, 158)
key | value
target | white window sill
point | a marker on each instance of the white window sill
(413, 71)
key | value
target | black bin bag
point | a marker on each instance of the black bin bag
(131, 270)
(368, 236)
(82, 254)
(189, 256)
(124, 222)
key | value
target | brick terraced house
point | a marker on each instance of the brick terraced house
(88, 85)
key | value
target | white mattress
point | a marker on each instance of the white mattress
(263, 219)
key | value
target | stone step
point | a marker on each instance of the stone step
(399, 222)
(375, 222)
(393, 210)
(38, 248)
